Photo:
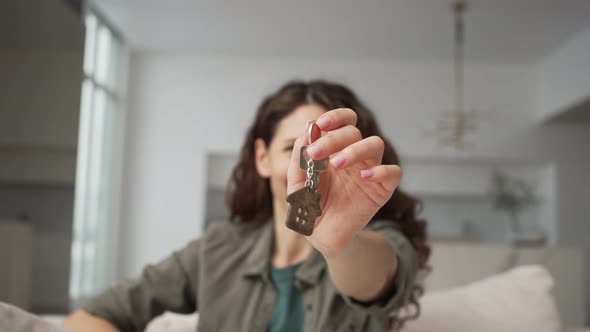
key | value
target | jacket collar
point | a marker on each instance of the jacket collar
(258, 261)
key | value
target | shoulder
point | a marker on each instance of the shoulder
(228, 236)
(225, 230)
(383, 225)
(392, 233)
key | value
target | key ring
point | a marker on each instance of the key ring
(310, 125)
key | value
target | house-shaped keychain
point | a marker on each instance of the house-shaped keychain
(303, 210)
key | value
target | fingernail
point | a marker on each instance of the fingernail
(323, 122)
(314, 151)
(338, 161)
(367, 173)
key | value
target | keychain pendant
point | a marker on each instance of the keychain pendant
(303, 211)
(304, 204)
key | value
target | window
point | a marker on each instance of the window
(99, 139)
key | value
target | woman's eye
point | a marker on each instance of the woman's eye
(289, 148)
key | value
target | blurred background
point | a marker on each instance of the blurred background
(120, 122)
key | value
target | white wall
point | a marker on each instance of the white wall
(563, 82)
(48, 210)
(564, 76)
(184, 106)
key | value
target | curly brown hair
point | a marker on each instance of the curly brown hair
(249, 196)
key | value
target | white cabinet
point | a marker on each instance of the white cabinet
(455, 193)
(15, 263)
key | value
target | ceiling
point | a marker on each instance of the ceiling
(34, 24)
(496, 30)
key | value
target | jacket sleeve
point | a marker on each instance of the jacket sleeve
(169, 285)
(404, 279)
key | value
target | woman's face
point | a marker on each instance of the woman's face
(272, 161)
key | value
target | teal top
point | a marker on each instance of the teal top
(288, 313)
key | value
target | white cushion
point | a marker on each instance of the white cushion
(14, 319)
(517, 300)
(172, 322)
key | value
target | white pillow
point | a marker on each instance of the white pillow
(172, 322)
(517, 300)
(14, 319)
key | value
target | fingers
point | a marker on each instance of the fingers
(334, 141)
(388, 175)
(344, 143)
(337, 118)
(369, 149)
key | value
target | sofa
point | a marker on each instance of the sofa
(517, 300)
(478, 288)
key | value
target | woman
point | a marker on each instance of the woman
(255, 274)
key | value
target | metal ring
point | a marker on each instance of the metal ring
(310, 131)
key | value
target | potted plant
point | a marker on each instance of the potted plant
(513, 196)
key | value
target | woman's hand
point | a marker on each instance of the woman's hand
(355, 186)
(81, 320)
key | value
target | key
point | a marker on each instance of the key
(304, 204)
(319, 165)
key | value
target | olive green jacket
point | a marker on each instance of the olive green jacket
(225, 277)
